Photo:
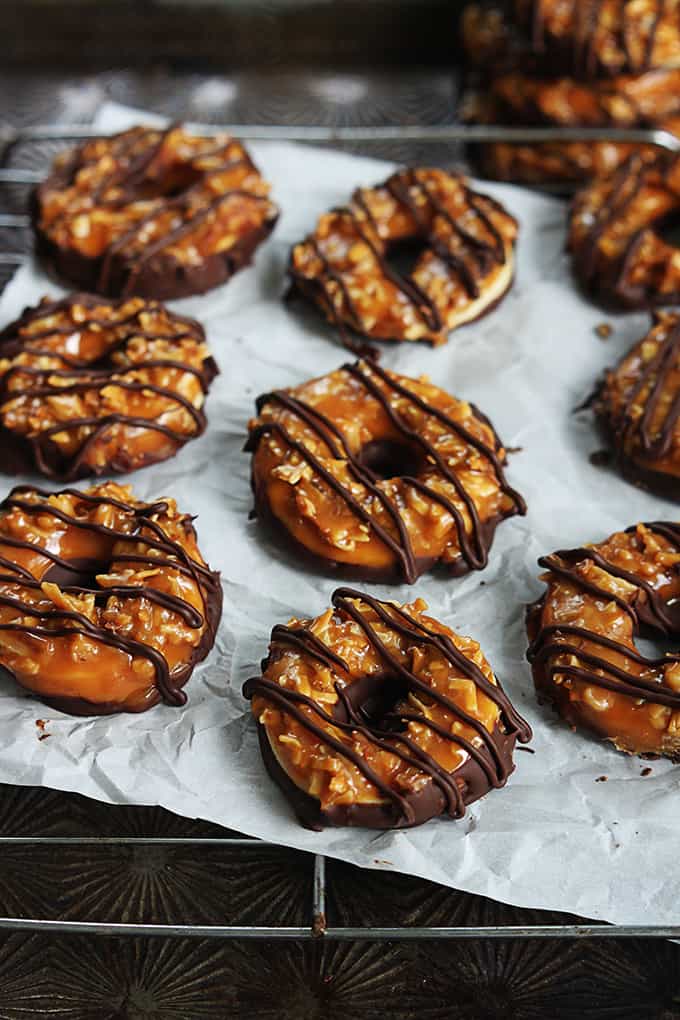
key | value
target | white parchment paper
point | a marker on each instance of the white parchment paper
(554, 837)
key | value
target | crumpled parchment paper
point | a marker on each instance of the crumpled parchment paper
(554, 837)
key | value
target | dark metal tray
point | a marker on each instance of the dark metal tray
(298, 936)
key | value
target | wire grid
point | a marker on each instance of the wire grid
(317, 927)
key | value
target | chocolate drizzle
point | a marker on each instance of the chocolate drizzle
(489, 752)
(626, 185)
(625, 275)
(146, 533)
(82, 377)
(583, 41)
(637, 405)
(474, 547)
(407, 187)
(655, 375)
(128, 266)
(647, 609)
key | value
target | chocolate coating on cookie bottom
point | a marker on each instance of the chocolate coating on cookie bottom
(406, 565)
(465, 268)
(638, 408)
(151, 549)
(486, 759)
(53, 374)
(153, 271)
(582, 633)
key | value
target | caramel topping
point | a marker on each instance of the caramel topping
(381, 472)
(95, 385)
(465, 266)
(625, 102)
(102, 597)
(583, 629)
(616, 251)
(586, 39)
(145, 192)
(640, 399)
(604, 36)
(372, 700)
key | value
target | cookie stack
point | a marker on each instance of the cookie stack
(570, 63)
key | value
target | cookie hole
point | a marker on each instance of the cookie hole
(402, 256)
(656, 646)
(80, 573)
(668, 229)
(390, 458)
(374, 698)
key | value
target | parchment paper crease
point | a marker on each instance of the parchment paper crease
(554, 837)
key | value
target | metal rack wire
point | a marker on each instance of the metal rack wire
(318, 926)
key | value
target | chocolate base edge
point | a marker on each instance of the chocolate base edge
(18, 452)
(312, 291)
(17, 456)
(556, 696)
(351, 572)
(162, 278)
(427, 803)
(634, 471)
(601, 279)
(390, 575)
(82, 707)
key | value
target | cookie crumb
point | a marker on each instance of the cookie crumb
(646, 772)
(601, 779)
(604, 330)
(41, 724)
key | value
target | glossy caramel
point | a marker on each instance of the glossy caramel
(616, 250)
(465, 267)
(121, 193)
(638, 402)
(324, 523)
(638, 724)
(327, 774)
(77, 664)
(80, 377)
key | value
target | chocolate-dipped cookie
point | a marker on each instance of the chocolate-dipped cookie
(465, 265)
(374, 475)
(638, 404)
(91, 386)
(617, 248)
(600, 38)
(375, 714)
(106, 604)
(582, 39)
(583, 630)
(158, 213)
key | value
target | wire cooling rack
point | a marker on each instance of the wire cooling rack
(317, 926)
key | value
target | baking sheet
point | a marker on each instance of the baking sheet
(555, 837)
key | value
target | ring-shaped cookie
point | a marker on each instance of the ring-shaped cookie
(158, 213)
(583, 630)
(464, 269)
(599, 38)
(617, 252)
(375, 475)
(89, 386)
(638, 404)
(106, 604)
(375, 714)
